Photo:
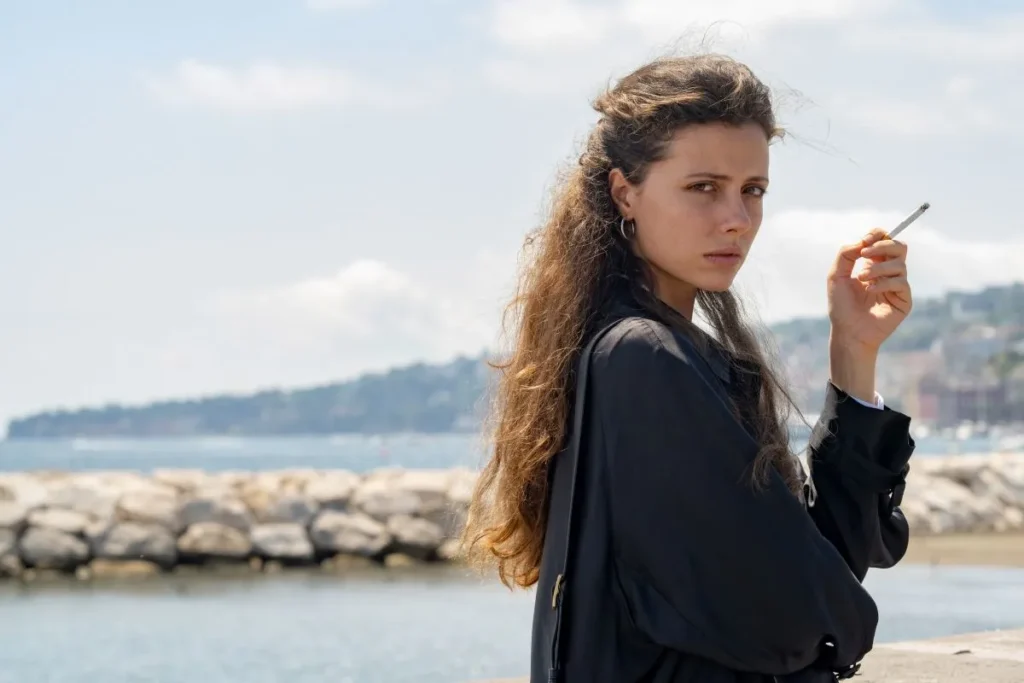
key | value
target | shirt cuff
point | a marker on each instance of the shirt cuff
(879, 403)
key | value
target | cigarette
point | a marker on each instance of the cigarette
(908, 220)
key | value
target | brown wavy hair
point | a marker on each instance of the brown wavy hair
(573, 262)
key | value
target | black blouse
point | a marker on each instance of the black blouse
(684, 572)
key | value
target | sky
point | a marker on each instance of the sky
(227, 195)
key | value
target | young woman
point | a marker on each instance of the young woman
(700, 551)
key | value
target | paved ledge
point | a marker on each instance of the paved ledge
(989, 657)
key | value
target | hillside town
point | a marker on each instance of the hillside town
(960, 366)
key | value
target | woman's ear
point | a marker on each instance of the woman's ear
(622, 193)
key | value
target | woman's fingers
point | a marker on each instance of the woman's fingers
(883, 249)
(883, 269)
(897, 287)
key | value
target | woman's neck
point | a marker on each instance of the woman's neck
(673, 292)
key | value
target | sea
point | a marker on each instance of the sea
(441, 625)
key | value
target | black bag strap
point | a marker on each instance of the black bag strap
(573, 452)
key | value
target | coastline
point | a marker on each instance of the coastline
(965, 509)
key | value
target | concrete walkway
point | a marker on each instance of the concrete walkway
(990, 657)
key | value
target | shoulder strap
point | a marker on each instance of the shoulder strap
(573, 453)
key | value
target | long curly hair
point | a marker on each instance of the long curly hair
(571, 264)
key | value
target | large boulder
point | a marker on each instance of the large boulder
(182, 481)
(332, 490)
(68, 521)
(10, 563)
(122, 569)
(13, 515)
(289, 509)
(212, 540)
(283, 541)
(94, 499)
(223, 510)
(23, 488)
(52, 549)
(415, 537)
(350, 533)
(144, 508)
(412, 492)
(134, 541)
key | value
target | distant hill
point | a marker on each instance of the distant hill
(450, 397)
(418, 398)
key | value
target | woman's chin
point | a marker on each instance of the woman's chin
(718, 284)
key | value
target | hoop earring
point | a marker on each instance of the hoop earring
(623, 231)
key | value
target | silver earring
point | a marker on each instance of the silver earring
(631, 233)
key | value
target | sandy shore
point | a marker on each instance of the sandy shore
(977, 548)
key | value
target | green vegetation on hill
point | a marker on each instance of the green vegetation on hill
(418, 398)
(449, 397)
(930, 320)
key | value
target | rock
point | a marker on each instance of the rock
(68, 521)
(212, 540)
(346, 563)
(10, 566)
(414, 536)
(23, 488)
(226, 511)
(122, 569)
(460, 491)
(150, 509)
(290, 509)
(381, 498)
(256, 564)
(44, 548)
(272, 567)
(1012, 520)
(77, 494)
(399, 561)
(182, 481)
(8, 541)
(13, 515)
(30, 575)
(10, 563)
(282, 541)
(134, 541)
(332, 490)
(349, 533)
(451, 520)
(449, 551)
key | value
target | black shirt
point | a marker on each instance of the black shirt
(681, 570)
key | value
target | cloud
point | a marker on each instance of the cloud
(960, 106)
(785, 276)
(269, 86)
(366, 309)
(996, 40)
(550, 24)
(565, 25)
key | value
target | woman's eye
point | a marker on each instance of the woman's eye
(703, 187)
(757, 191)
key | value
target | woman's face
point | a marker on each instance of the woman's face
(698, 210)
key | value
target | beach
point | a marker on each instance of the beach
(967, 549)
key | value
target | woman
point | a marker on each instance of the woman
(699, 550)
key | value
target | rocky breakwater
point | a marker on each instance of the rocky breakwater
(965, 493)
(118, 523)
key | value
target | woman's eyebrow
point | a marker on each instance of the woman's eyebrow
(723, 176)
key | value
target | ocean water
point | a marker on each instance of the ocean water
(428, 626)
(353, 452)
(439, 627)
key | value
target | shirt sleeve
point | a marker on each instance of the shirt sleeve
(706, 563)
(859, 458)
